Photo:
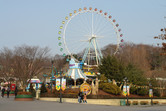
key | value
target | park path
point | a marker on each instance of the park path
(8, 104)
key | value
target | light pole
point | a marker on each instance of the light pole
(150, 86)
(125, 80)
(60, 86)
(52, 74)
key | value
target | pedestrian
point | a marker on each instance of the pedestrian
(16, 90)
(82, 97)
(8, 91)
(3, 92)
(79, 97)
(85, 101)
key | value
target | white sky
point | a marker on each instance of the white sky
(36, 22)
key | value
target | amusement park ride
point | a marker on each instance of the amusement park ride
(84, 33)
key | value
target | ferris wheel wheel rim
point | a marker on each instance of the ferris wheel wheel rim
(90, 11)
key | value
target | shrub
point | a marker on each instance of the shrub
(24, 93)
(24, 96)
(71, 91)
(133, 90)
(11, 92)
(110, 88)
(43, 88)
(142, 91)
(103, 79)
(144, 102)
(155, 102)
(135, 102)
(156, 92)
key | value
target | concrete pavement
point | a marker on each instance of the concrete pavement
(8, 104)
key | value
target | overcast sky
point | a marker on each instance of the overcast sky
(36, 22)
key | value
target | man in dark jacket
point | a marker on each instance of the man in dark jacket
(8, 91)
(3, 91)
(16, 90)
(82, 96)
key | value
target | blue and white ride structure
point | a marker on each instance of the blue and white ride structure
(75, 71)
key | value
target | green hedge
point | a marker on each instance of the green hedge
(139, 91)
(142, 91)
(24, 96)
(11, 92)
(110, 88)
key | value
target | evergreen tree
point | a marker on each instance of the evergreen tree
(135, 75)
(112, 68)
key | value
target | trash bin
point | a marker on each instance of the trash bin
(122, 102)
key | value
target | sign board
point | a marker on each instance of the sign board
(63, 84)
(126, 92)
(85, 88)
(150, 93)
(57, 84)
(12, 87)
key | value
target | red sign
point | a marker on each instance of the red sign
(12, 87)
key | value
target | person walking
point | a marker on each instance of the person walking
(3, 92)
(8, 91)
(82, 96)
(79, 97)
(85, 101)
(16, 90)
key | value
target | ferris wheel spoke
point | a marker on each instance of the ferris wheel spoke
(106, 32)
(87, 22)
(103, 27)
(84, 23)
(76, 49)
(79, 28)
(98, 24)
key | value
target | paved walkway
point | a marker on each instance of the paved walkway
(8, 104)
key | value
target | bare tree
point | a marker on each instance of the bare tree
(6, 71)
(28, 61)
(60, 62)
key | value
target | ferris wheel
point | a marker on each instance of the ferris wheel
(86, 32)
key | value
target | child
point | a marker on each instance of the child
(85, 98)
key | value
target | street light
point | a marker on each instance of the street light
(125, 80)
(150, 86)
(60, 86)
(52, 74)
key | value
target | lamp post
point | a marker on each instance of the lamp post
(52, 74)
(60, 86)
(125, 80)
(151, 91)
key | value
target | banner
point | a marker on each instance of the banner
(63, 84)
(57, 84)
(126, 92)
(150, 93)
